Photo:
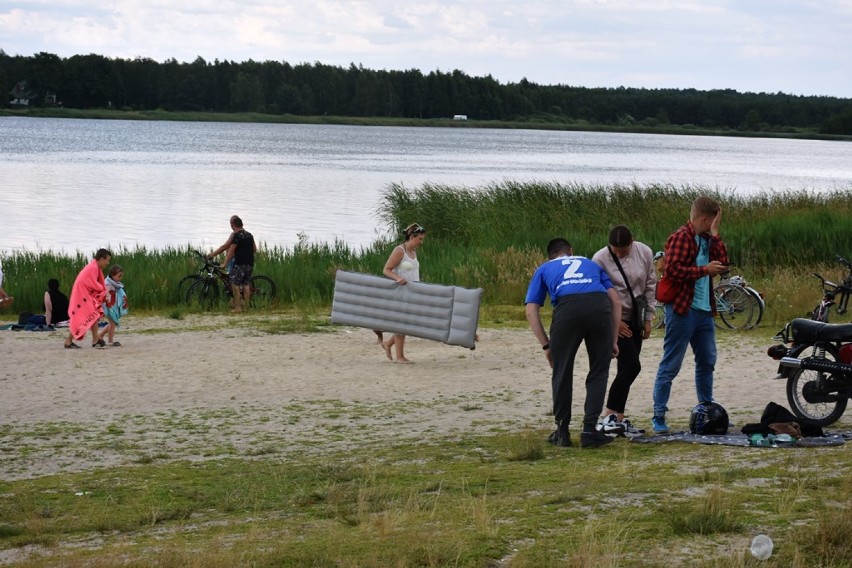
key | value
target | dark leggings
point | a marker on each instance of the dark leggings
(629, 366)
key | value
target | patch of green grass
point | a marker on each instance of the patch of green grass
(706, 516)
(463, 501)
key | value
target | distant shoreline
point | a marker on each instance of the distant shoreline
(574, 126)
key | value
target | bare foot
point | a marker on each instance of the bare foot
(387, 348)
(379, 337)
(404, 361)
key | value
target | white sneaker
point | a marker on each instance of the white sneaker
(611, 426)
(630, 431)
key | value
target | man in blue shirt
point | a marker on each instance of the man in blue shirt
(585, 308)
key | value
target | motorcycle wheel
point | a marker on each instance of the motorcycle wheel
(801, 384)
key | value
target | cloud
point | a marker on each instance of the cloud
(659, 43)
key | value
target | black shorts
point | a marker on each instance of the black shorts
(240, 274)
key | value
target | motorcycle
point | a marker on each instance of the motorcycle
(815, 357)
(818, 369)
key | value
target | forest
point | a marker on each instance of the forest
(315, 89)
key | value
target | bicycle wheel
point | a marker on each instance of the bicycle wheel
(659, 317)
(262, 291)
(735, 306)
(203, 294)
(761, 306)
(185, 283)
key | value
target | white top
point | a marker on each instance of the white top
(408, 267)
(640, 271)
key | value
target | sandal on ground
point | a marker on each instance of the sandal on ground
(72, 345)
(101, 344)
(115, 344)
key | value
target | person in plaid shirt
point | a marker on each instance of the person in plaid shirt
(694, 254)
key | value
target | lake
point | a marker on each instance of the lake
(72, 185)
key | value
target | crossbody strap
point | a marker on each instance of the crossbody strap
(623, 275)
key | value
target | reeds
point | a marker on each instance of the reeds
(493, 237)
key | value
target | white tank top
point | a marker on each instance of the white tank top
(408, 267)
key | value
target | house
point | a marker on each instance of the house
(20, 96)
(459, 117)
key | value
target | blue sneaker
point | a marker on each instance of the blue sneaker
(658, 423)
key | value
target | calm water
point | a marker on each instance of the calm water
(81, 184)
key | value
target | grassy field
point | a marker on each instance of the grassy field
(502, 500)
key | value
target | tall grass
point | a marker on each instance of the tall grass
(493, 237)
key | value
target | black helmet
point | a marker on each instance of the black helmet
(709, 418)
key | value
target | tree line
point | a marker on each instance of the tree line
(277, 87)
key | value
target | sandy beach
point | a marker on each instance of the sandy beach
(213, 386)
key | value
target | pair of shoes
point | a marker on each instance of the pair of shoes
(630, 431)
(611, 426)
(658, 423)
(594, 439)
(115, 344)
(560, 437)
(101, 344)
(72, 345)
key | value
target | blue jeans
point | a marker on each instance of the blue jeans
(696, 328)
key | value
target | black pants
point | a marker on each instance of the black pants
(580, 318)
(629, 366)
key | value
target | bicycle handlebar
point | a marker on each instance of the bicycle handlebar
(208, 264)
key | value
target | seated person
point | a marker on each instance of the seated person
(55, 304)
(5, 299)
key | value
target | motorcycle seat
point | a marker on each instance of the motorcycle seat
(810, 331)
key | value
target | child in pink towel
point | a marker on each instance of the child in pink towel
(87, 296)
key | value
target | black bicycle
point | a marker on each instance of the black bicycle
(203, 288)
(831, 291)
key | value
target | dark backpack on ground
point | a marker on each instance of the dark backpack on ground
(774, 414)
(27, 318)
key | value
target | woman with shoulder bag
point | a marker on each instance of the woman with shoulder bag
(630, 266)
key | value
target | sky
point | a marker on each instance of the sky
(799, 47)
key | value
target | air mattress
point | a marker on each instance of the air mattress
(449, 314)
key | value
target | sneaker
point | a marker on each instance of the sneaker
(658, 423)
(611, 426)
(560, 437)
(631, 431)
(594, 439)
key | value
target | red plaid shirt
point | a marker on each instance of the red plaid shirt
(681, 253)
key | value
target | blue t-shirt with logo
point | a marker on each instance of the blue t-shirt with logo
(566, 275)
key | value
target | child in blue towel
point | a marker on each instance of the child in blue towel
(115, 304)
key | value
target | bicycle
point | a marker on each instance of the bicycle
(830, 291)
(204, 291)
(187, 281)
(738, 305)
